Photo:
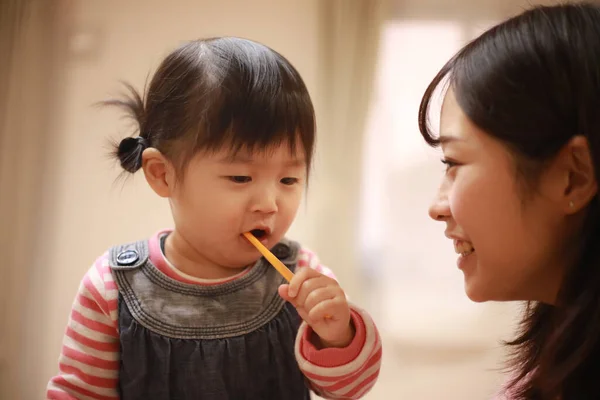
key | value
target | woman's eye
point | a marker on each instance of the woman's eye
(448, 163)
(289, 181)
(240, 179)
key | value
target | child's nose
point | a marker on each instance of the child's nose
(265, 202)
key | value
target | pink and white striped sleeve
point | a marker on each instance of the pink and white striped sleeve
(347, 373)
(89, 360)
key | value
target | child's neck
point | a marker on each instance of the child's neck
(189, 261)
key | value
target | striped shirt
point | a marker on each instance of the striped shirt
(89, 360)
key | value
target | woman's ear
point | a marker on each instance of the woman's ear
(580, 185)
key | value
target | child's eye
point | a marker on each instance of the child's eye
(239, 179)
(289, 181)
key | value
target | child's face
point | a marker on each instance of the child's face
(221, 197)
(511, 245)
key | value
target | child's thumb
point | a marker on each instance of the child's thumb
(283, 292)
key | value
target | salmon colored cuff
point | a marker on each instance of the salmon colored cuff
(334, 357)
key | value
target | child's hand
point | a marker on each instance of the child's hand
(321, 302)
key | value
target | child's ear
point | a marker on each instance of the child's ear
(159, 172)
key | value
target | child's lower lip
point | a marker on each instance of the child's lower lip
(263, 239)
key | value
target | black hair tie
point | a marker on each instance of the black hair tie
(141, 141)
(130, 152)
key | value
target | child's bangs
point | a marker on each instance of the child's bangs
(257, 102)
(260, 119)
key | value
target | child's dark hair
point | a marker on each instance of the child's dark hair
(215, 93)
(533, 82)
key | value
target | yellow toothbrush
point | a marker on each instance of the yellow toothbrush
(275, 262)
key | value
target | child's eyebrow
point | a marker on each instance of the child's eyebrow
(236, 159)
(297, 162)
(247, 159)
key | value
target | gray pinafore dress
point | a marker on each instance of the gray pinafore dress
(229, 341)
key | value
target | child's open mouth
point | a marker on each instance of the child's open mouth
(258, 233)
(263, 234)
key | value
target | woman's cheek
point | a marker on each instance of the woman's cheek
(467, 201)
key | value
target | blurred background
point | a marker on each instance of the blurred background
(366, 64)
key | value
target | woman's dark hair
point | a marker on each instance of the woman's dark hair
(533, 82)
(215, 93)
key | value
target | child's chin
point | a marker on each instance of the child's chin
(242, 262)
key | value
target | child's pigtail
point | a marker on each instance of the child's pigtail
(129, 150)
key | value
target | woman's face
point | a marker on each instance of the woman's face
(510, 240)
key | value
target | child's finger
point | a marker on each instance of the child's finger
(299, 278)
(283, 292)
(309, 286)
(326, 309)
(317, 296)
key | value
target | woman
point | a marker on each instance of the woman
(520, 134)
